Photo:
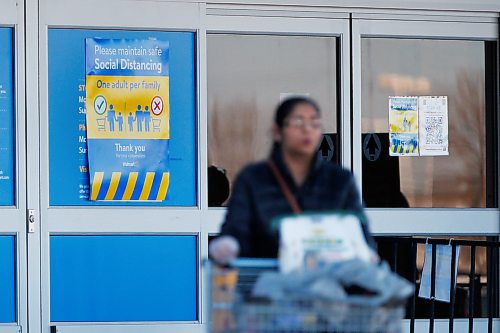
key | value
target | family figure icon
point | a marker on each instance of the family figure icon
(139, 120)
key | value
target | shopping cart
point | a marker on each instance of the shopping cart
(233, 309)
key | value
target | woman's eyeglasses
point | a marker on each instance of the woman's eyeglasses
(301, 123)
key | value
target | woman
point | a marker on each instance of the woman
(260, 190)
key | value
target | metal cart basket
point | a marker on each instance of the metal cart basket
(232, 309)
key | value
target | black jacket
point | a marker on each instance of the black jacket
(257, 199)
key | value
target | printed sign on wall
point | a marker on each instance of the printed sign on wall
(127, 102)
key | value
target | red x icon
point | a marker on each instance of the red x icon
(157, 105)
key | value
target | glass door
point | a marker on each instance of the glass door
(425, 127)
(125, 252)
(253, 63)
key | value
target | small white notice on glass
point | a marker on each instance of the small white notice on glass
(433, 125)
(312, 241)
(443, 272)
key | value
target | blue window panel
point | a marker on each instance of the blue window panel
(7, 197)
(67, 135)
(7, 279)
(123, 278)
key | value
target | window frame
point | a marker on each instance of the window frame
(419, 221)
(329, 25)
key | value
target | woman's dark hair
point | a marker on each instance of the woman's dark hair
(288, 105)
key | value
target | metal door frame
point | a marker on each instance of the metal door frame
(13, 218)
(55, 220)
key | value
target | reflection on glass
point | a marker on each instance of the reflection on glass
(397, 67)
(248, 75)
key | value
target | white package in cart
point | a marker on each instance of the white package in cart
(311, 241)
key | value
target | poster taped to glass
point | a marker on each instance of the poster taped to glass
(128, 129)
(433, 116)
(403, 126)
(418, 126)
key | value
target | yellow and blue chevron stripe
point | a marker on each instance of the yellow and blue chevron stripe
(404, 149)
(132, 186)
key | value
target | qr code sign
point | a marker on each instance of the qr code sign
(434, 130)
